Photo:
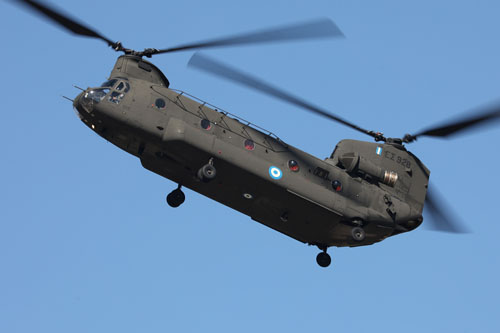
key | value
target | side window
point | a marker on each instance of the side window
(123, 86)
(205, 124)
(119, 92)
(160, 103)
(116, 97)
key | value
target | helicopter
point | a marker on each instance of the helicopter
(361, 194)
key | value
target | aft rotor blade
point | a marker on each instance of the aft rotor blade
(439, 220)
(211, 66)
(322, 28)
(480, 118)
(63, 20)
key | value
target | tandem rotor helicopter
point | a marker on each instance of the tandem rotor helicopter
(363, 193)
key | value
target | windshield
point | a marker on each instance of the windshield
(97, 95)
(92, 97)
(109, 83)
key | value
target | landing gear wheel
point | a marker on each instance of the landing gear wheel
(176, 198)
(323, 259)
(358, 234)
(207, 173)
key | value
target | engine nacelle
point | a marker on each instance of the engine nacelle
(353, 162)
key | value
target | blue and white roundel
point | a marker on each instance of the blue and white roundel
(275, 172)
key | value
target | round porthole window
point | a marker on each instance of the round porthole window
(337, 186)
(205, 124)
(249, 144)
(293, 165)
(160, 103)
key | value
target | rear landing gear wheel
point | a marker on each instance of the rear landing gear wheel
(323, 259)
(358, 234)
(207, 173)
(176, 198)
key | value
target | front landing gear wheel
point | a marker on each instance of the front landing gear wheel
(323, 259)
(358, 234)
(176, 198)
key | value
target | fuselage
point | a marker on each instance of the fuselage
(312, 200)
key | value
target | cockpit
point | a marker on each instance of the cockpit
(113, 91)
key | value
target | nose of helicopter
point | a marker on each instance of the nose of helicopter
(85, 104)
(84, 108)
(76, 102)
(78, 106)
(88, 99)
(96, 108)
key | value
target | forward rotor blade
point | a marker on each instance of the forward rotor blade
(63, 20)
(321, 28)
(435, 207)
(483, 118)
(211, 66)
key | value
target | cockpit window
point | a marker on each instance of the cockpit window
(109, 83)
(119, 92)
(92, 97)
(97, 95)
(123, 86)
(116, 97)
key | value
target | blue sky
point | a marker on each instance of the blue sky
(88, 244)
